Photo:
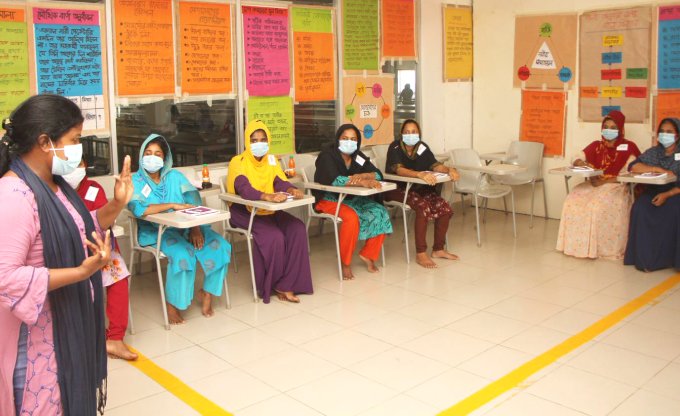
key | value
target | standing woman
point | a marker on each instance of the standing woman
(654, 234)
(281, 255)
(52, 351)
(160, 188)
(343, 164)
(411, 157)
(595, 213)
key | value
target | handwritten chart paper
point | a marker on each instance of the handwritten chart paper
(205, 48)
(361, 36)
(667, 105)
(277, 114)
(265, 34)
(369, 104)
(669, 48)
(145, 59)
(314, 54)
(615, 58)
(457, 43)
(543, 120)
(68, 49)
(14, 81)
(398, 29)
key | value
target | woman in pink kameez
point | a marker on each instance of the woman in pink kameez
(51, 310)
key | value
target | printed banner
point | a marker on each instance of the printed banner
(361, 43)
(265, 34)
(14, 79)
(398, 29)
(314, 54)
(457, 43)
(277, 114)
(543, 120)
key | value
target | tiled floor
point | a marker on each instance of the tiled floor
(410, 341)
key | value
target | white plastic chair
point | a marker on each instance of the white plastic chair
(135, 248)
(228, 229)
(380, 152)
(471, 182)
(529, 155)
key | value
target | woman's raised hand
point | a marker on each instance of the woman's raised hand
(123, 189)
(100, 254)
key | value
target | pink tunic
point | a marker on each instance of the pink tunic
(23, 298)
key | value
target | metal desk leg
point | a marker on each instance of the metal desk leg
(161, 230)
(249, 243)
(566, 184)
(403, 212)
(337, 239)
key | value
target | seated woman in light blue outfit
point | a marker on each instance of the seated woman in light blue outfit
(159, 188)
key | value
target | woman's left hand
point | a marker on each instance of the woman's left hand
(123, 189)
(453, 174)
(296, 193)
(659, 199)
(196, 238)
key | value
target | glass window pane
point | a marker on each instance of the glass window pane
(197, 132)
(405, 90)
(97, 155)
(314, 125)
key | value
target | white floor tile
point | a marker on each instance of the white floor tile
(495, 362)
(201, 329)
(646, 403)
(448, 346)
(160, 404)
(156, 342)
(536, 340)
(349, 312)
(436, 311)
(346, 347)
(233, 389)
(524, 404)
(259, 313)
(570, 321)
(401, 406)
(448, 388)
(193, 363)
(394, 328)
(645, 340)
(278, 405)
(245, 346)
(489, 326)
(300, 328)
(127, 385)
(524, 309)
(666, 381)
(661, 318)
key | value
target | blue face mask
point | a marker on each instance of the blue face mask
(259, 149)
(410, 139)
(347, 147)
(73, 153)
(152, 163)
(666, 139)
(610, 134)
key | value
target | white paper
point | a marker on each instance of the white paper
(360, 160)
(91, 193)
(622, 147)
(421, 150)
(146, 191)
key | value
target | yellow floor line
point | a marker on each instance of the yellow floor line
(175, 386)
(521, 373)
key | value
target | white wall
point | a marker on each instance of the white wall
(497, 103)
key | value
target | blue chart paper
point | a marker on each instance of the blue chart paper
(669, 54)
(612, 57)
(68, 59)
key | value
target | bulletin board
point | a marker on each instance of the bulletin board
(68, 48)
(615, 63)
(15, 85)
(398, 23)
(369, 104)
(313, 53)
(543, 120)
(545, 51)
(458, 47)
(145, 51)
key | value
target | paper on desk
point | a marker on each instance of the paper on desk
(651, 175)
(581, 168)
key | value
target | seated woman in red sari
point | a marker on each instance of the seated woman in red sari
(596, 213)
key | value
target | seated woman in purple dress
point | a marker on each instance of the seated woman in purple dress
(280, 255)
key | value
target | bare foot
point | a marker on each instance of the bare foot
(347, 273)
(425, 261)
(174, 317)
(118, 349)
(370, 265)
(287, 297)
(443, 254)
(206, 304)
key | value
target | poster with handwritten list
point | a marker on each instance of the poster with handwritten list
(68, 49)
(314, 54)
(265, 35)
(669, 47)
(542, 120)
(457, 43)
(14, 80)
(145, 59)
(361, 49)
(205, 48)
(398, 28)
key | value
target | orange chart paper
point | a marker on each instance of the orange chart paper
(205, 48)
(314, 66)
(667, 105)
(543, 120)
(145, 60)
(398, 29)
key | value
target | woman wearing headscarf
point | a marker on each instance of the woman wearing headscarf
(410, 156)
(343, 164)
(52, 350)
(281, 255)
(654, 234)
(160, 188)
(595, 214)
(114, 275)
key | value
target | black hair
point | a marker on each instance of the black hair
(160, 141)
(52, 115)
(409, 121)
(262, 130)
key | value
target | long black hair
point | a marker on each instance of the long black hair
(52, 115)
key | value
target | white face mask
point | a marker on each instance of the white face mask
(74, 178)
(74, 155)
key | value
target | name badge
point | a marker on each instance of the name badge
(91, 193)
(146, 191)
(360, 160)
(272, 160)
(677, 156)
(421, 150)
(622, 147)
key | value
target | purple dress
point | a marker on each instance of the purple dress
(280, 255)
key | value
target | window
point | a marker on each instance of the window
(314, 125)
(404, 97)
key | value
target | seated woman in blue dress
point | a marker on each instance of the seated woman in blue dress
(159, 188)
(654, 233)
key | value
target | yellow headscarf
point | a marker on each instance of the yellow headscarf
(262, 173)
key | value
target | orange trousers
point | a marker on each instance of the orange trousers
(349, 233)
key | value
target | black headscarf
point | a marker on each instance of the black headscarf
(330, 164)
(77, 321)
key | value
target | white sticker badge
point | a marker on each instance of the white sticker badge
(677, 156)
(622, 147)
(360, 160)
(146, 191)
(272, 160)
(91, 193)
(421, 150)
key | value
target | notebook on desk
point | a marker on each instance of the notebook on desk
(199, 211)
(651, 175)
